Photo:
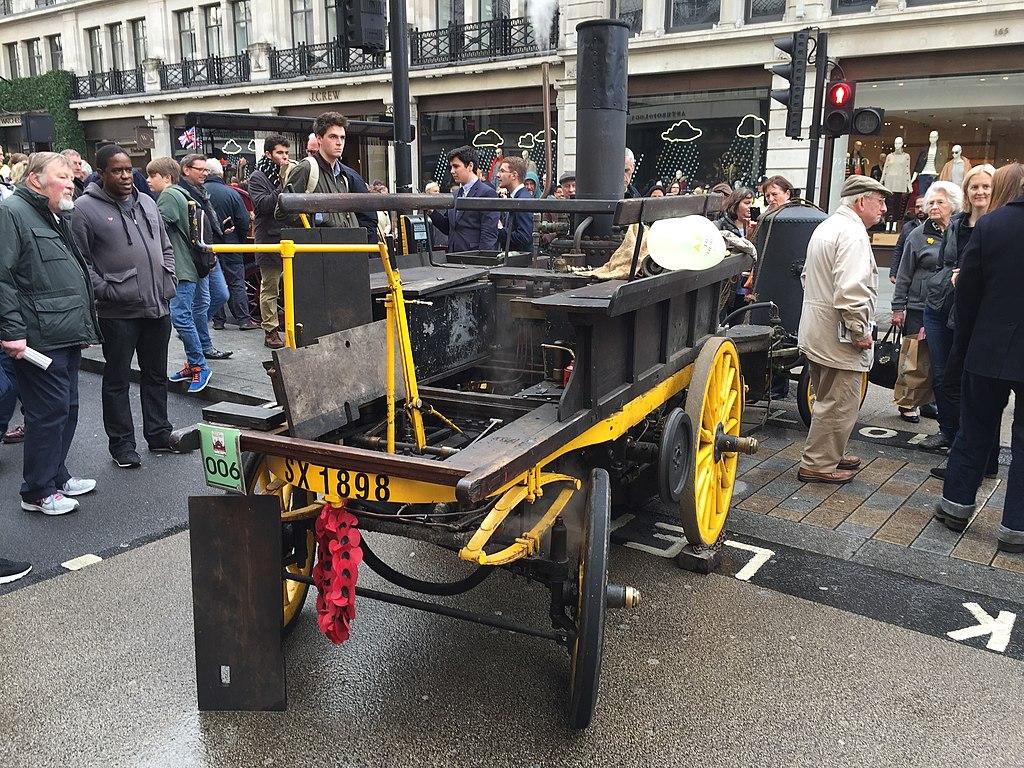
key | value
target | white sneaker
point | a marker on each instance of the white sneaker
(54, 504)
(77, 486)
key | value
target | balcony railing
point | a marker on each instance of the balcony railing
(113, 83)
(851, 6)
(213, 70)
(320, 59)
(497, 38)
(692, 14)
(765, 10)
(6, 7)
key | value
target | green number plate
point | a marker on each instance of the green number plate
(222, 458)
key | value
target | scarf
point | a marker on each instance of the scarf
(270, 170)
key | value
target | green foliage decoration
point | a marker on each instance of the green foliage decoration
(50, 93)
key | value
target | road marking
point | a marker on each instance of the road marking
(918, 438)
(621, 521)
(998, 627)
(761, 556)
(78, 563)
(877, 433)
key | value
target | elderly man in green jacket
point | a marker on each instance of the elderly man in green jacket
(46, 304)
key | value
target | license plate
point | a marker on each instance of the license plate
(343, 483)
(222, 457)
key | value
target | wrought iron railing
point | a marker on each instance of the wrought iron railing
(320, 59)
(496, 38)
(113, 83)
(765, 10)
(213, 70)
(693, 13)
(6, 7)
(635, 19)
(851, 6)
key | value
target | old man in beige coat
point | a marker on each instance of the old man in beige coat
(840, 282)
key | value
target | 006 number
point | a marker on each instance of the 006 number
(221, 468)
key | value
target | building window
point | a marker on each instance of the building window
(35, 57)
(212, 24)
(692, 14)
(13, 64)
(56, 52)
(851, 6)
(445, 13)
(116, 46)
(241, 19)
(765, 10)
(186, 34)
(485, 10)
(302, 22)
(331, 8)
(631, 11)
(139, 53)
(94, 42)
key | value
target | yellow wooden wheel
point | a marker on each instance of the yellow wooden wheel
(805, 394)
(714, 403)
(298, 545)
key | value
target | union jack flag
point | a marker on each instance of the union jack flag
(188, 139)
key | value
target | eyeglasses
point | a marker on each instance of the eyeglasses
(200, 168)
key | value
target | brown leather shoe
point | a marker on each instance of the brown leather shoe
(849, 462)
(839, 477)
(273, 340)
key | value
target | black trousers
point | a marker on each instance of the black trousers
(238, 295)
(50, 400)
(146, 338)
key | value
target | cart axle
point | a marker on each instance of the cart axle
(726, 443)
(621, 596)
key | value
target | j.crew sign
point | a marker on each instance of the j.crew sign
(325, 94)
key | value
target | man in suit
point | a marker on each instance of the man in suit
(468, 230)
(517, 228)
(989, 323)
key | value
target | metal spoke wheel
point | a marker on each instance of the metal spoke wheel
(805, 393)
(714, 403)
(675, 455)
(591, 602)
(298, 544)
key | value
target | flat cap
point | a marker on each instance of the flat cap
(567, 176)
(861, 185)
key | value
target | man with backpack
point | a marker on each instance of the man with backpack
(324, 172)
(164, 174)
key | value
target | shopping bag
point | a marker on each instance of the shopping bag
(886, 367)
(914, 384)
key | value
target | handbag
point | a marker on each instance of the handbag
(886, 367)
(914, 384)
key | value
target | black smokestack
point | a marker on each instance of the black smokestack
(601, 72)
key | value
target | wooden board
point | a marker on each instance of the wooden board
(244, 416)
(420, 282)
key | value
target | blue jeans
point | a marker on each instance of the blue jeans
(238, 301)
(940, 341)
(8, 391)
(983, 402)
(211, 293)
(50, 399)
(184, 322)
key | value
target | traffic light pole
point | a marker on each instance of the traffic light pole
(820, 76)
(398, 41)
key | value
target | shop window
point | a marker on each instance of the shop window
(302, 22)
(56, 52)
(13, 62)
(35, 57)
(139, 52)
(765, 10)
(212, 24)
(94, 43)
(116, 45)
(331, 11)
(692, 14)
(186, 34)
(631, 11)
(241, 19)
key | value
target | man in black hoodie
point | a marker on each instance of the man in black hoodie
(131, 266)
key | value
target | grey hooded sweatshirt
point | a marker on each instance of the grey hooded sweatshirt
(130, 257)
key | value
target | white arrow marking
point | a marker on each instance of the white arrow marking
(761, 556)
(621, 521)
(999, 627)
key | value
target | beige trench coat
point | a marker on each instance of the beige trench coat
(840, 280)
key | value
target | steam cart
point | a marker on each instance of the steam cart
(496, 413)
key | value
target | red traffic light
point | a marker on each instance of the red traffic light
(840, 94)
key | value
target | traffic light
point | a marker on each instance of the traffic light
(868, 121)
(837, 119)
(364, 25)
(792, 97)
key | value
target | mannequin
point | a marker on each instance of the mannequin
(530, 165)
(876, 170)
(858, 163)
(849, 164)
(492, 174)
(925, 168)
(896, 177)
(955, 169)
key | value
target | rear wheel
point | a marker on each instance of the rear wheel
(591, 602)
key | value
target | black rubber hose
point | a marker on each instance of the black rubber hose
(385, 571)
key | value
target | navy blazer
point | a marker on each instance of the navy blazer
(989, 316)
(469, 230)
(517, 234)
